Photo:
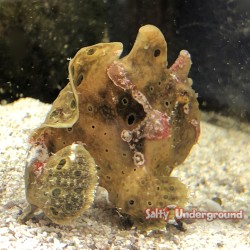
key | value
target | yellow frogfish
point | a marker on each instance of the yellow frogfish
(121, 123)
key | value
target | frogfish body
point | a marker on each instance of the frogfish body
(121, 123)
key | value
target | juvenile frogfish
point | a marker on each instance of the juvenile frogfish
(121, 123)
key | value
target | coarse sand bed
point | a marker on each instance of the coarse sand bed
(218, 166)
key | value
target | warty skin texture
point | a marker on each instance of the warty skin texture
(137, 119)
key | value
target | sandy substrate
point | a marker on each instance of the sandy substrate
(218, 166)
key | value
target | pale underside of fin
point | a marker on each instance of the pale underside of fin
(65, 110)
